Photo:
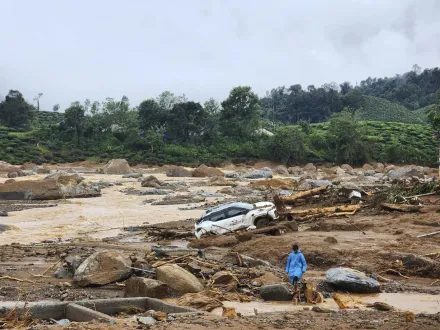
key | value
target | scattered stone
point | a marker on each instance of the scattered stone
(318, 183)
(223, 278)
(233, 175)
(406, 172)
(43, 170)
(276, 292)
(319, 309)
(154, 191)
(29, 167)
(264, 173)
(145, 287)
(282, 170)
(64, 178)
(3, 214)
(351, 280)
(367, 167)
(4, 228)
(151, 181)
(379, 168)
(267, 278)
(117, 166)
(381, 306)
(146, 320)
(178, 279)
(331, 240)
(13, 175)
(61, 272)
(81, 191)
(178, 171)
(103, 268)
(73, 262)
(370, 173)
(220, 181)
(132, 176)
(205, 171)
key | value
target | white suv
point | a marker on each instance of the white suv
(234, 216)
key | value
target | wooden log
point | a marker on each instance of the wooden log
(325, 210)
(291, 199)
(401, 207)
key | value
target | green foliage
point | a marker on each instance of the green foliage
(186, 121)
(15, 111)
(239, 117)
(382, 110)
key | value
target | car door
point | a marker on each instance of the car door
(236, 218)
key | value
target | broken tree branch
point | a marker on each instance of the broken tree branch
(395, 272)
(325, 210)
(161, 263)
(401, 207)
(291, 199)
(429, 235)
(16, 279)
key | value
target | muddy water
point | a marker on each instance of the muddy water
(413, 302)
(94, 218)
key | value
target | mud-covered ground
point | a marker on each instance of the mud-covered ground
(371, 241)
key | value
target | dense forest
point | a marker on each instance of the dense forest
(382, 119)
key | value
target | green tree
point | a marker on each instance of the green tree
(74, 119)
(15, 111)
(346, 138)
(287, 146)
(186, 121)
(434, 120)
(240, 115)
(151, 115)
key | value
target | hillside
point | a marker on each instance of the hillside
(378, 109)
(43, 118)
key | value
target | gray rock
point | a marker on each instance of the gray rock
(102, 268)
(178, 171)
(12, 175)
(178, 279)
(104, 184)
(276, 292)
(28, 172)
(154, 191)
(132, 176)
(146, 320)
(151, 181)
(73, 262)
(61, 272)
(204, 193)
(318, 183)
(264, 173)
(4, 228)
(406, 172)
(351, 280)
(233, 175)
(81, 191)
(370, 173)
(117, 166)
(3, 214)
(295, 170)
(347, 168)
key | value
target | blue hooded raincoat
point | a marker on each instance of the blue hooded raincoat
(296, 265)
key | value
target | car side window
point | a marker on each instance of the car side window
(234, 212)
(218, 217)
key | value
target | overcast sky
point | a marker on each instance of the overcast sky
(73, 50)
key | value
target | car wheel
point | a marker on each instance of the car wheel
(261, 222)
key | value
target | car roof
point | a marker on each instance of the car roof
(228, 205)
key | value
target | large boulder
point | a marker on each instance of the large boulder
(146, 287)
(406, 172)
(295, 170)
(309, 167)
(103, 268)
(379, 168)
(29, 167)
(276, 292)
(31, 190)
(178, 171)
(43, 170)
(117, 166)
(282, 170)
(264, 173)
(351, 280)
(346, 167)
(367, 167)
(204, 171)
(178, 279)
(318, 183)
(64, 178)
(81, 191)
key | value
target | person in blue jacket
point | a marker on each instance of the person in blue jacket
(296, 265)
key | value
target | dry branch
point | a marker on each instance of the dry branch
(401, 207)
(291, 199)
